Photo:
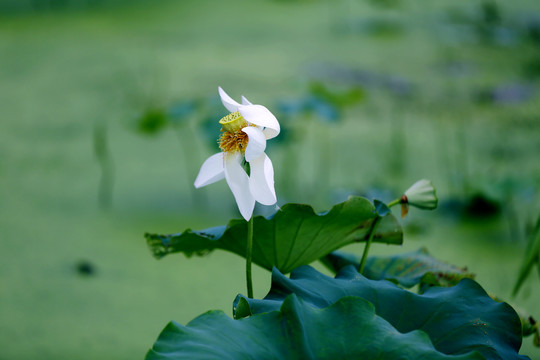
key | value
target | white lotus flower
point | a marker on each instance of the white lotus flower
(243, 141)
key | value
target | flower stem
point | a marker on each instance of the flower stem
(393, 203)
(248, 258)
(372, 230)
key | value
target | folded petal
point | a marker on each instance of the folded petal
(245, 101)
(227, 101)
(256, 143)
(238, 182)
(261, 116)
(261, 180)
(212, 170)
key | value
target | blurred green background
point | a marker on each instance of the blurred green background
(109, 108)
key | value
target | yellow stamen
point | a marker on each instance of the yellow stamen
(233, 142)
(232, 138)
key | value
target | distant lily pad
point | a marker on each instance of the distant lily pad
(152, 121)
(408, 270)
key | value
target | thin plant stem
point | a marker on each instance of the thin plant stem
(368, 244)
(394, 202)
(464, 161)
(398, 145)
(325, 161)
(102, 153)
(184, 135)
(249, 251)
(290, 164)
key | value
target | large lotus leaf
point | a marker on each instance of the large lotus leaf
(294, 236)
(348, 329)
(457, 319)
(408, 270)
(529, 325)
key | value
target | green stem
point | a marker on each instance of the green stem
(368, 244)
(102, 153)
(395, 202)
(325, 161)
(248, 258)
(185, 136)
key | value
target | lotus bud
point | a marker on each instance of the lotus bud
(421, 195)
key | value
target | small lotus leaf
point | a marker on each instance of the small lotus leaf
(408, 270)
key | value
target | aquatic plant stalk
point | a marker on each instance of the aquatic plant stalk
(372, 231)
(102, 153)
(394, 202)
(324, 142)
(185, 135)
(249, 251)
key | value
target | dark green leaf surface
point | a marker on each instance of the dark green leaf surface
(348, 329)
(458, 319)
(294, 236)
(408, 270)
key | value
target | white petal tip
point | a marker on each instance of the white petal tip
(245, 101)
